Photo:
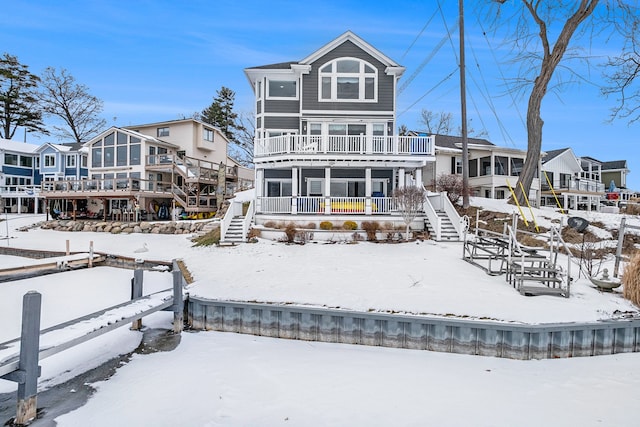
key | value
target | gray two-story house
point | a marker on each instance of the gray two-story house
(326, 145)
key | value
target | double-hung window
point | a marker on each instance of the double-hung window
(71, 161)
(348, 79)
(49, 160)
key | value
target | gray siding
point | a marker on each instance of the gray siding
(347, 49)
(281, 106)
(281, 123)
(277, 173)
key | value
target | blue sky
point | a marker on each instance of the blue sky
(161, 60)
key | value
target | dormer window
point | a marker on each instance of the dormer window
(348, 79)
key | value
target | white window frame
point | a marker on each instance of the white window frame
(310, 182)
(49, 160)
(286, 98)
(207, 134)
(71, 160)
(162, 131)
(280, 182)
(361, 76)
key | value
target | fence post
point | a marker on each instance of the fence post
(178, 304)
(136, 292)
(619, 247)
(28, 365)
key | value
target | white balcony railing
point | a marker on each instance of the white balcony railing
(344, 144)
(332, 205)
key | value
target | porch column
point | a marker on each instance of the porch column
(294, 191)
(565, 206)
(327, 191)
(401, 178)
(19, 204)
(367, 191)
(419, 182)
(259, 184)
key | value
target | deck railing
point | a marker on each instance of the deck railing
(344, 144)
(331, 205)
(109, 184)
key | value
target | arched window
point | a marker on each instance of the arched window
(348, 79)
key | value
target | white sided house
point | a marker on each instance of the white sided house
(570, 182)
(326, 148)
(492, 169)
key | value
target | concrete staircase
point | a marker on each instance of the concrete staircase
(448, 232)
(234, 232)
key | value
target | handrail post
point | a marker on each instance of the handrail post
(28, 365)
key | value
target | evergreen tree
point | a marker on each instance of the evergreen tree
(220, 114)
(18, 100)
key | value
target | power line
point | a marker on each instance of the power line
(429, 91)
(423, 64)
(418, 36)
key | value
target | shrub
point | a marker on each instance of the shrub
(211, 238)
(290, 232)
(253, 233)
(270, 224)
(349, 225)
(326, 225)
(452, 184)
(371, 228)
(631, 280)
(311, 226)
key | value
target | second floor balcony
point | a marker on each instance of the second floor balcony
(317, 145)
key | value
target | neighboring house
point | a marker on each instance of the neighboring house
(570, 182)
(492, 169)
(19, 177)
(162, 169)
(614, 178)
(326, 146)
(62, 161)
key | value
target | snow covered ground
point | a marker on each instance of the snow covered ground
(230, 379)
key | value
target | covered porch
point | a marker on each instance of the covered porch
(331, 190)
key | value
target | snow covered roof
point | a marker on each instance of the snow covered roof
(18, 147)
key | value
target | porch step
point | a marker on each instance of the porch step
(448, 231)
(234, 232)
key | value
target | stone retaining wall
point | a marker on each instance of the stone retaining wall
(116, 227)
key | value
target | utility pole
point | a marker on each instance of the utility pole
(463, 106)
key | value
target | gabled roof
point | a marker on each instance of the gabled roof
(552, 154)
(62, 148)
(132, 133)
(304, 64)
(349, 36)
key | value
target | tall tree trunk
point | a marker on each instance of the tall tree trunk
(550, 60)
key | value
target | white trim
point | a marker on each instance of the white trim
(361, 76)
(347, 114)
(349, 36)
(282, 98)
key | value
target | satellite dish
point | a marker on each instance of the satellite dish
(577, 223)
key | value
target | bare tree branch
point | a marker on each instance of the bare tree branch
(71, 102)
